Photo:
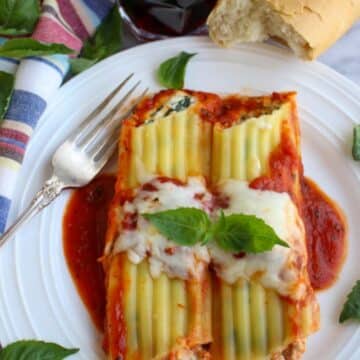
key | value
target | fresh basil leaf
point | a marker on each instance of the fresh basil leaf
(35, 350)
(80, 64)
(233, 233)
(107, 39)
(356, 143)
(171, 73)
(240, 232)
(351, 309)
(184, 226)
(19, 48)
(18, 17)
(6, 88)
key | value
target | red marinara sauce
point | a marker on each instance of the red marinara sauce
(326, 231)
(84, 228)
(325, 224)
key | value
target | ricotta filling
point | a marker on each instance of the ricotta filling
(145, 241)
(181, 101)
(280, 269)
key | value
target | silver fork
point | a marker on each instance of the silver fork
(81, 157)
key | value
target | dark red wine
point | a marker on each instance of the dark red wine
(167, 17)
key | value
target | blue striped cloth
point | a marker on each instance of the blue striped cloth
(37, 79)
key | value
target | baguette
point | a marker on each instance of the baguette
(308, 27)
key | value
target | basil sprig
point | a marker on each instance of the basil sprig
(18, 17)
(356, 143)
(351, 309)
(232, 233)
(247, 233)
(171, 73)
(185, 226)
(35, 350)
(23, 47)
(6, 88)
(106, 41)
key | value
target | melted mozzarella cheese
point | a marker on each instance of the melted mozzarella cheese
(281, 268)
(146, 241)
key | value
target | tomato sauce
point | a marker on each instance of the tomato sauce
(84, 228)
(130, 221)
(149, 187)
(115, 337)
(234, 109)
(325, 235)
(284, 165)
(325, 225)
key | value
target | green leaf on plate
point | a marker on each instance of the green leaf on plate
(356, 143)
(248, 233)
(184, 226)
(35, 350)
(19, 48)
(18, 17)
(6, 88)
(171, 73)
(351, 309)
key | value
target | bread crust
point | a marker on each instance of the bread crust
(318, 22)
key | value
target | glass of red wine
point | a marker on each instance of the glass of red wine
(157, 19)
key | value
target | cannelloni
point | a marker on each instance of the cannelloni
(187, 149)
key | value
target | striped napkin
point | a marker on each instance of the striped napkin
(37, 79)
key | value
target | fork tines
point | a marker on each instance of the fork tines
(103, 129)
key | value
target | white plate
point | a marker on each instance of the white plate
(37, 295)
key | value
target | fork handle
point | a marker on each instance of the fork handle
(44, 197)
